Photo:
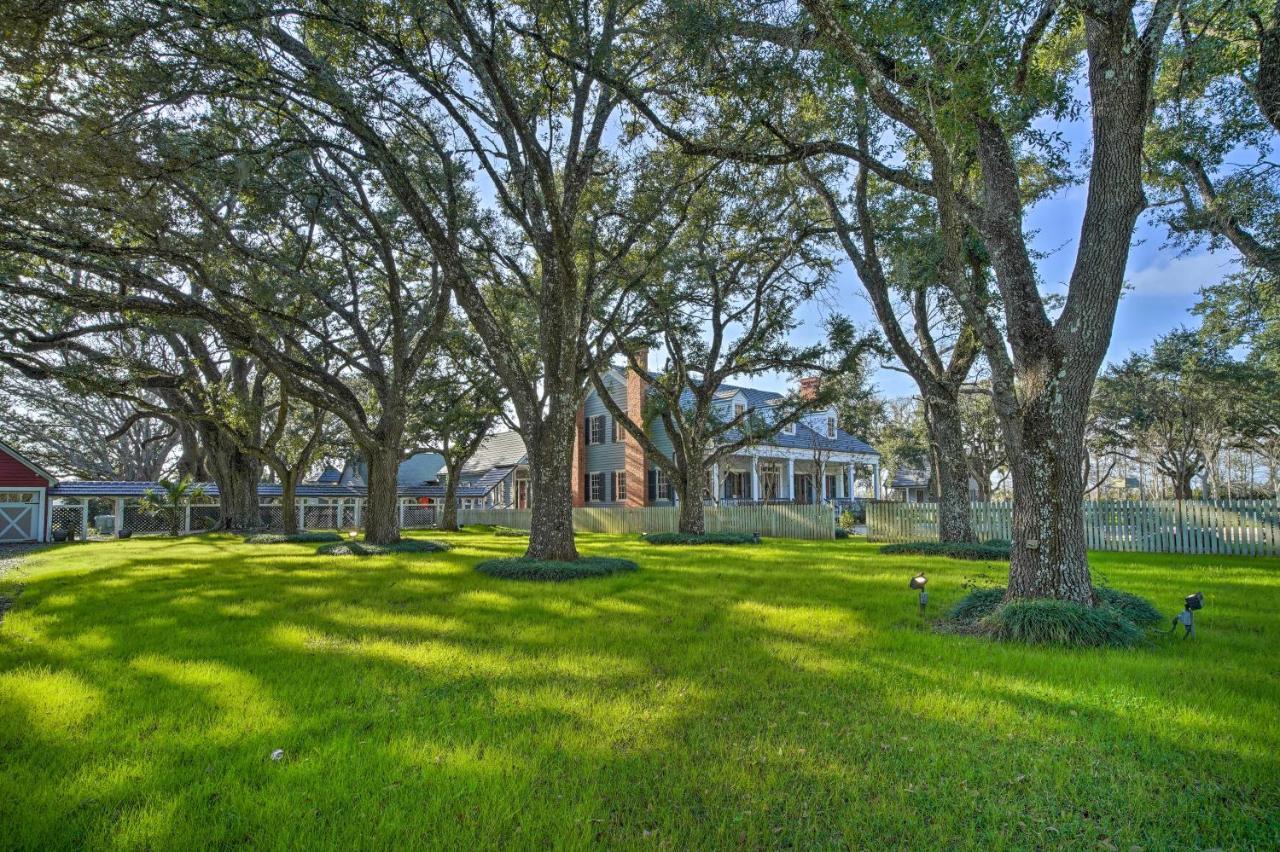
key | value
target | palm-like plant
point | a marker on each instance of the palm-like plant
(170, 501)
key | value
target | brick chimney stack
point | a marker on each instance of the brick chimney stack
(809, 386)
(634, 463)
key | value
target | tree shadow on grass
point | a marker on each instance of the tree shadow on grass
(780, 699)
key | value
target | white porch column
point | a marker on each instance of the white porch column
(359, 503)
(301, 509)
(875, 480)
(850, 476)
(119, 514)
(186, 518)
(791, 479)
(402, 514)
(715, 482)
(822, 475)
(84, 519)
(755, 477)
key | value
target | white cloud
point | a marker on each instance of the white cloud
(1172, 275)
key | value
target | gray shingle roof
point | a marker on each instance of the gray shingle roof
(501, 449)
(804, 438)
(905, 478)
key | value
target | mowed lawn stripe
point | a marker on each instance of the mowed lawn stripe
(786, 694)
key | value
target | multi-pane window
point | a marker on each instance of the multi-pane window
(619, 486)
(831, 427)
(595, 493)
(661, 487)
(789, 429)
(595, 429)
(739, 409)
(617, 431)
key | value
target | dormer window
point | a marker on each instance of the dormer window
(739, 409)
(831, 427)
(789, 429)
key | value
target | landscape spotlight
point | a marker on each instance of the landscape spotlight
(353, 534)
(917, 582)
(1191, 604)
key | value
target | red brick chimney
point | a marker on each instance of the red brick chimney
(809, 386)
(633, 458)
(578, 462)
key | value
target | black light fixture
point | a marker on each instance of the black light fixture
(1191, 604)
(917, 582)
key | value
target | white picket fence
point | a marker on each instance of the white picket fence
(1226, 527)
(774, 520)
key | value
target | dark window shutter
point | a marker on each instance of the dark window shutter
(651, 486)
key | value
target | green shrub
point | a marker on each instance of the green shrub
(703, 538)
(361, 548)
(510, 532)
(841, 532)
(1139, 610)
(994, 549)
(1055, 622)
(977, 604)
(296, 538)
(521, 568)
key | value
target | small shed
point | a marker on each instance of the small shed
(24, 498)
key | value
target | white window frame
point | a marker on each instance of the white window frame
(595, 430)
(661, 485)
(789, 429)
(619, 486)
(831, 427)
(595, 487)
(739, 409)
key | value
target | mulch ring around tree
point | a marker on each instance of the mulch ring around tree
(545, 570)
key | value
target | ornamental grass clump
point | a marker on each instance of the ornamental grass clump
(521, 568)
(1118, 620)
(1046, 621)
(362, 548)
(296, 538)
(1137, 609)
(993, 549)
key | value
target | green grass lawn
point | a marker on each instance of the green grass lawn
(785, 695)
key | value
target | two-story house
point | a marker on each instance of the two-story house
(810, 461)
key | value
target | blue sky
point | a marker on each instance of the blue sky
(1162, 284)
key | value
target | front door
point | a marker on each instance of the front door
(522, 493)
(803, 488)
(19, 515)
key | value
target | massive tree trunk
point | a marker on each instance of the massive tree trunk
(549, 443)
(289, 504)
(449, 511)
(237, 474)
(1048, 557)
(382, 511)
(692, 518)
(946, 438)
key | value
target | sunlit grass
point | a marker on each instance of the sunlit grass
(785, 695)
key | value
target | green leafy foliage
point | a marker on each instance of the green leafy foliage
(841, 532)
(1137, 609)
(297, 538)
(521, 568)
(701, 538)
(977, 605)
(1055, 622)
(361, 548)
(993, 549)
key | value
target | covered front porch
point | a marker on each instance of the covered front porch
(775, 475)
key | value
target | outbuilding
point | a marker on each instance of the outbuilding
(24, 498)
